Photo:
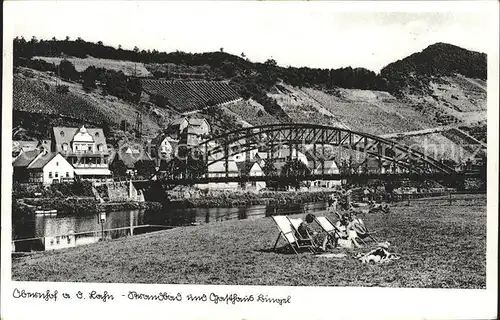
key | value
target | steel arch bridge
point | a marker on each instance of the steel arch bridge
(268, 138)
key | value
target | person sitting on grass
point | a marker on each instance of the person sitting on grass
(307, 232)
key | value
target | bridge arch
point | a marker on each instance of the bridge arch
(268, 137)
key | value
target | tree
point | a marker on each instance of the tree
(296, 171)
(67, 70)
(118, 167)
(229, 69)
(145, 168)
(136, 49)
(221, 49)
(89, 78)
(271, 62)
(99, 43)
(67, 38)
(119, 47)
(269, 169)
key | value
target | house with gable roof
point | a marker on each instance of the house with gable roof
(42, 166)
(85, 149)
(189, 131)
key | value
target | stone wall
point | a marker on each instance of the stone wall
(124, 191)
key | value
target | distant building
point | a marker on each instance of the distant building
(164, 147)
(189, 131)
(280, 158)
(130, 157)
(251, 169)
(329, 167)
(41, 166)
(85, 149)
(218, 170)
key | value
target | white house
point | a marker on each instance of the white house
(218, 170)
(85, 149)
(45, 167)
(164, 147)
(251, 169)
(330, 167)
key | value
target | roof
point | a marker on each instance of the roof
(41, 161)
(196, 121)
(130, 158)
(245, 167)
(66, 135)
(330, 166)
(191, 121)
(176, 122)
(25, 158)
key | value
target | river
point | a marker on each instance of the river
(52, 232)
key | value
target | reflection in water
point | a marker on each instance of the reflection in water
(49, 233)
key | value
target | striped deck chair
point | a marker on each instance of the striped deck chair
(333, 232)
(289, 234)
(362, 230)
(309, 239)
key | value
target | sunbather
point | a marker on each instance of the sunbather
(306, 231)
(346, 225)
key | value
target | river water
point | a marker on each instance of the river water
(53, 232)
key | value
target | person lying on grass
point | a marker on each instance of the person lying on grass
(306, 231)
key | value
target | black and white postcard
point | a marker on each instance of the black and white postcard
(248, 160)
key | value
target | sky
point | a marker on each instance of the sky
(314, 34)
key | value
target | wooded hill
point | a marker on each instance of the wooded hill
(417, 92)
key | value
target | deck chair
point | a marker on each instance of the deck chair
(309, 239)
(362, 231)
(289, 234)
(333, 232)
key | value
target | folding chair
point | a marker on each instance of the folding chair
(288, 233)
(362, 231)
(309, 239)
(331, 230)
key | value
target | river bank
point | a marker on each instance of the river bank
(238, 252)
(229, 199)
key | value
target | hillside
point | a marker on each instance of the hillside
(420, 100)
(35, 93)
(188, 96)
(414, 73)
(129, 68)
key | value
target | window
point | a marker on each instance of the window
(97, 134)
(62, 133)
(65, 146)
(50, 174)
(57, 240)
(57, 174)
(67, 174)
(100, 147)
(69, 240)
(57, 163)
(51, 242)
(90, 148)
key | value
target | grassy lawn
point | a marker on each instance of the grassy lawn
(441, 246)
